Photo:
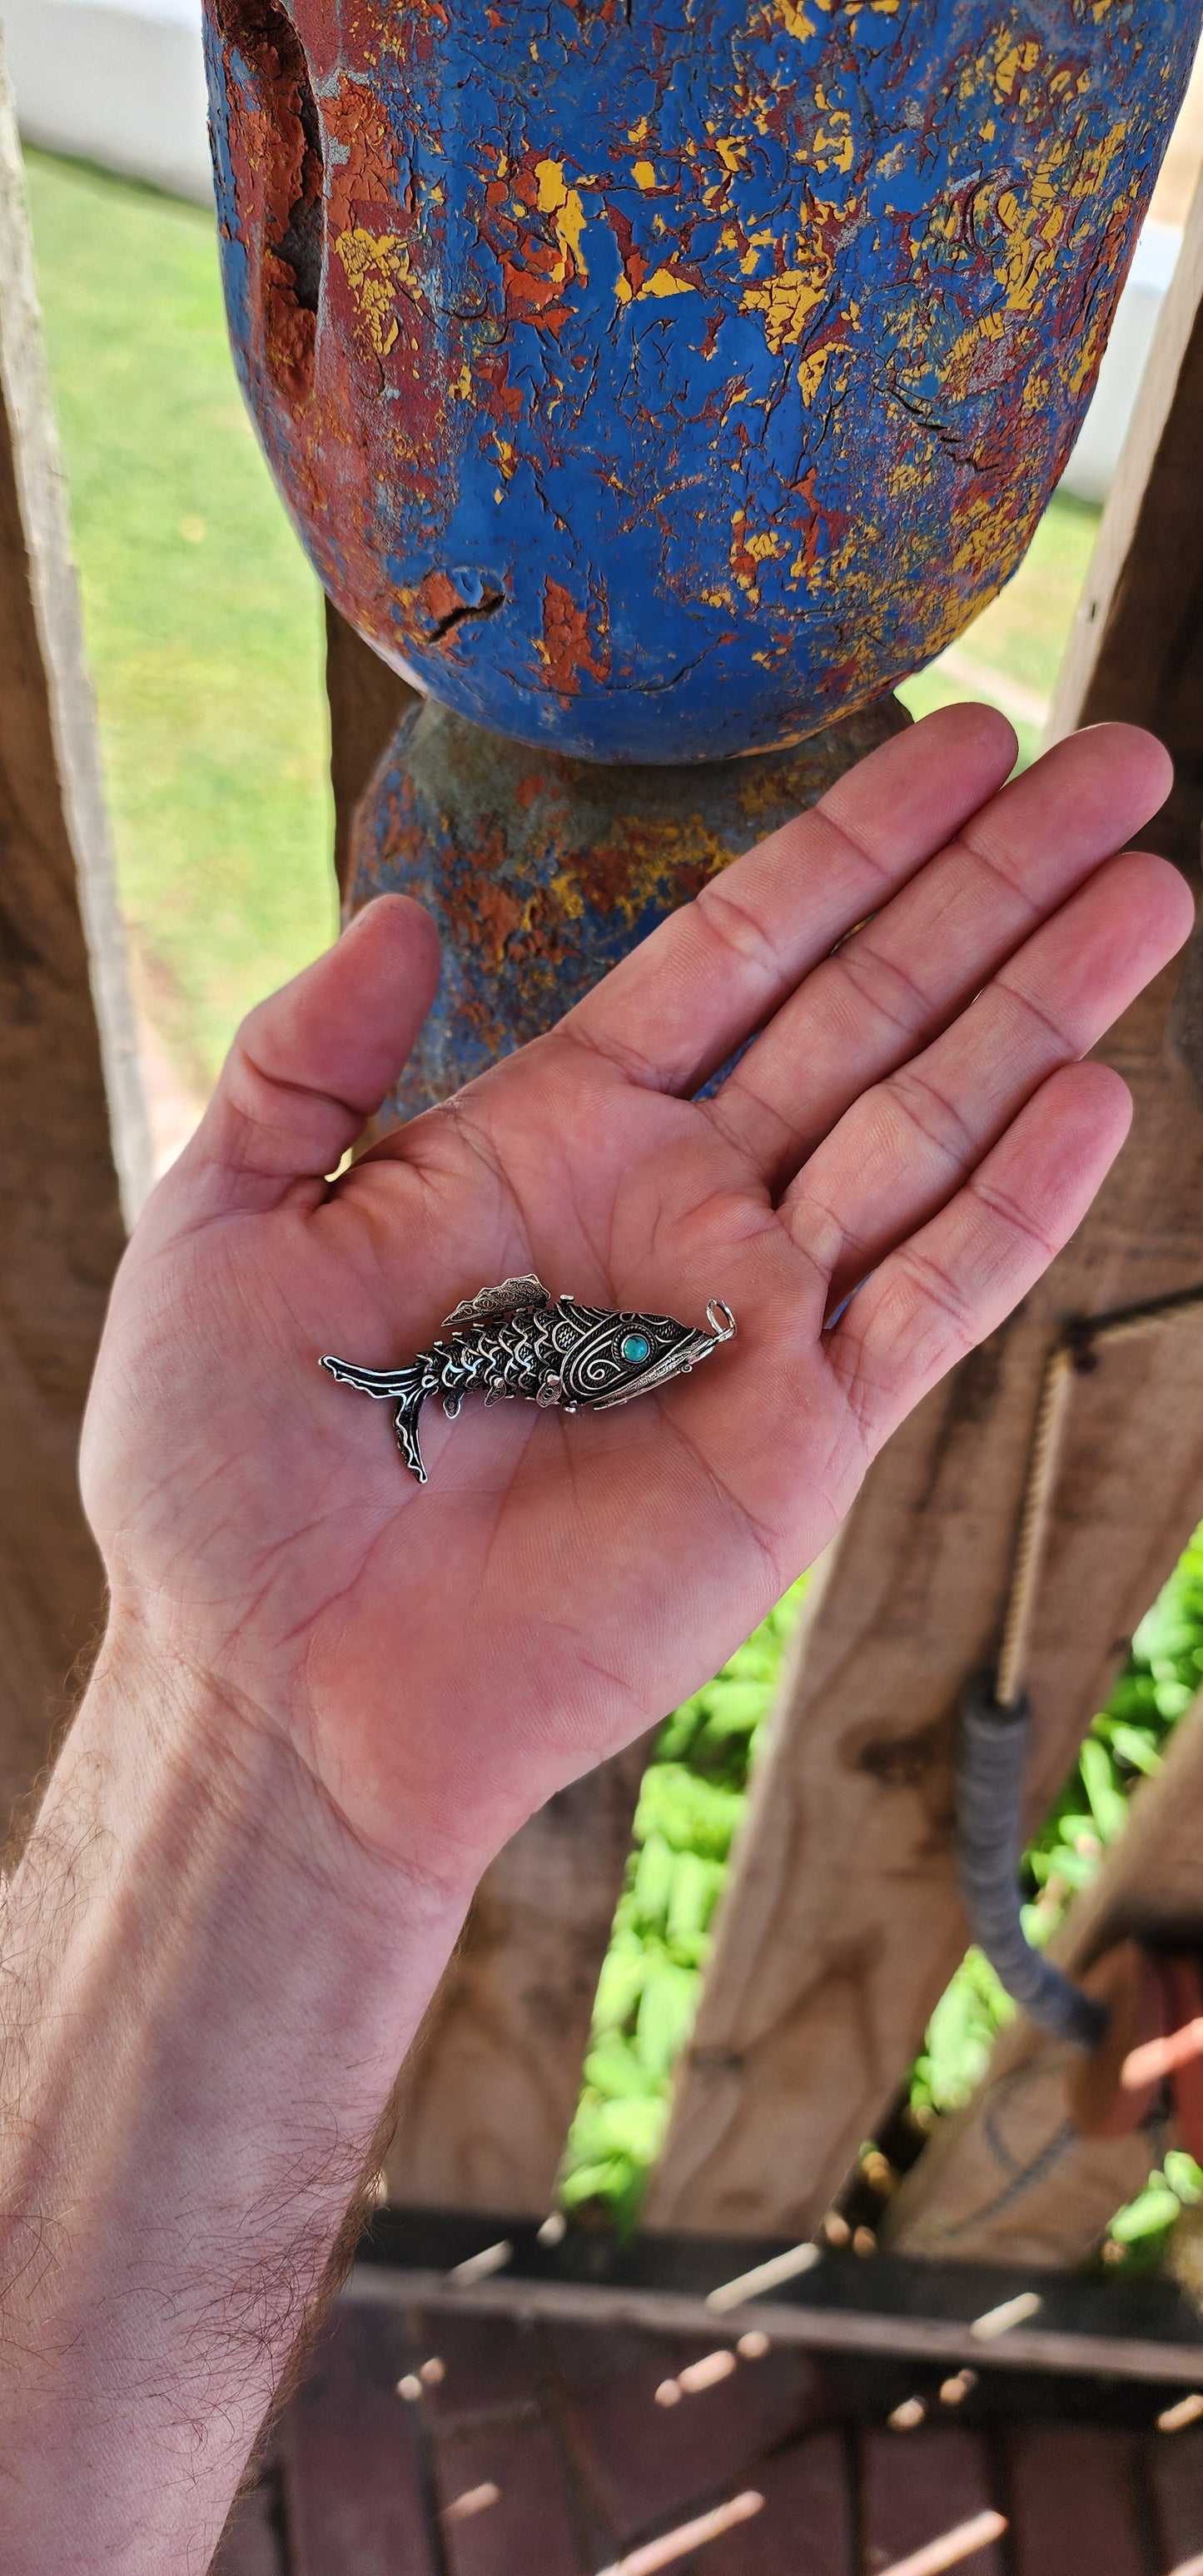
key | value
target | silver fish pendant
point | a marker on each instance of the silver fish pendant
(516, 1340)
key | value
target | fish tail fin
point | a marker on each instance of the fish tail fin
(404, 1388)
(405, 1424)
(389, 1384)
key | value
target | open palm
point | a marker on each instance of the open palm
(912, 1116)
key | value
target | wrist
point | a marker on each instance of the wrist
(210, 1989)
(225, 1756)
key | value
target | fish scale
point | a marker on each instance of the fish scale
(511, 1358)
(515, 1340)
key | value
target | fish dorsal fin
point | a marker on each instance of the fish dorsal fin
(511, 1298)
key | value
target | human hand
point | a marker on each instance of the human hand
(913, 1116)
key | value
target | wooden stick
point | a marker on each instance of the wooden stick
(1003, 2320)
(477, 2267)
(1158, 2057)
(954, 2546)
(764, 2276)
(690, 2535)
(706, 2373)
(473, 2501)
(1187, 2411)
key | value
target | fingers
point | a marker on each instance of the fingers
(312, 1063)
(900, 1152)
(910, 969)
(673, 1011)
(941, 1293)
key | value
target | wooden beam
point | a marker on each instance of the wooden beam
(367, 701)
(65, 1024)
(836, 2327)
(1008, 2179)
(1136, 648)
(492, 2084)
(842, 1922)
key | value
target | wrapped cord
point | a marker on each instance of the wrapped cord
(993, 1746)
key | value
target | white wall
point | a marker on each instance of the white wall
(116, 81)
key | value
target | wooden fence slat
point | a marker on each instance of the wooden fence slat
(1004, 2178)
(65, 1021)
(917, 2486)
(492, 2084)
(842, 1922)
(1078, 2497)
(1136, 649)
(251, 2544)
(367, 701)
(354, 2481)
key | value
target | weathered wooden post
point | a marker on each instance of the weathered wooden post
(652, 388)
(75, 1157)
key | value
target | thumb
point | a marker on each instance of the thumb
(310, 1065)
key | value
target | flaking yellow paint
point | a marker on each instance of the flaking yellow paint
(373, 265)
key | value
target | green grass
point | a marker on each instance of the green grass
(201, 614)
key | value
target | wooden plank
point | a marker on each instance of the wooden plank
(367, 701)
(492, 2084)
(650, 2466)
(252, 2543)
(64, 1023)
(806, 2492)
(1007, 2176)
(917, 2486)
(532, 2520)
(1176, 2465)
(354, 2475)
(1136, 648)
(1079, 2501)
(891, 2332)
(842, 1922)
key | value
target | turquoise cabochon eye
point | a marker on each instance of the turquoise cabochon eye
(636, 1347)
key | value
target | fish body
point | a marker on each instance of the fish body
(517, 1340)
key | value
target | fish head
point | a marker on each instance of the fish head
(609, 1358)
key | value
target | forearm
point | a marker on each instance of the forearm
(208, 1988)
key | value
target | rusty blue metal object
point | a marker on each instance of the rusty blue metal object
(542, 871)
(661, 381)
